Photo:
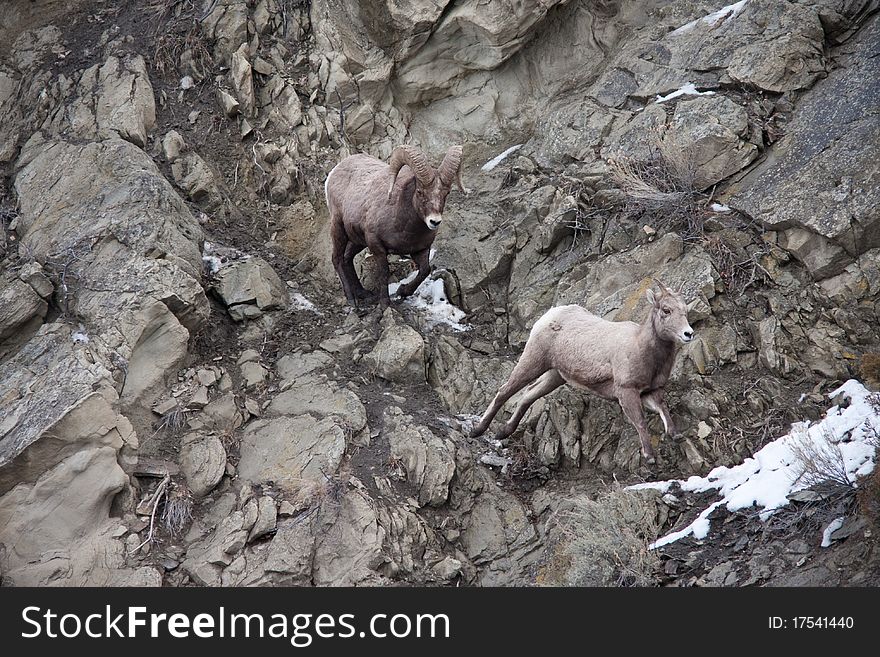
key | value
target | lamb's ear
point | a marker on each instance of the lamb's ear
(651, 298)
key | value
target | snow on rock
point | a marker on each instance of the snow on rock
(722, 14)
(776, 471)
(832, 527)
(431, 299)
(719, 207)
(300, 302)
(687, 90)
(495, 161)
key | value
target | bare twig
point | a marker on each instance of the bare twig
(161, 491)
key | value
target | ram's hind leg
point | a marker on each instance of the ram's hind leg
(357, 287)
(546, 384)
(340, 244)
(531, 365)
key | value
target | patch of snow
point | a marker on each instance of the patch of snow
(186, 82)
(768, 478)
(724, 13)
(687, 90)
(495, 161)
(430, 297)
(661, 486)
(832, 527)
(719, 207)
(80, 337)
(300, 302)
(212, 263)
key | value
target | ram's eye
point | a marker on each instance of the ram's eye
(666, 311)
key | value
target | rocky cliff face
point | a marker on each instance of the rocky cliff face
(184, 398)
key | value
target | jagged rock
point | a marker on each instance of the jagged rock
(202, 461)
(447, 570)
(198, 180)
(32, 273)
(227, 26)
(142, 305)
(242, 80)
(206, 558)
(173, 145)
(823, 186)
(399, 355)
(251, 282)
(350, 541)
(267, 514)
(253, 374)
(289, 559)
(230, 105)
(428, 459)
(288, 451)
(22, 310)
(712, 130)
(56, 491)
(293, 366)
(114, 99)
(221, 415)
(321, 400)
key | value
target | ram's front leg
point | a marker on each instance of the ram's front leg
(422, 259)
(382, 274)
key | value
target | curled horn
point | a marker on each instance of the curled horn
(416, 160)
(450, 168)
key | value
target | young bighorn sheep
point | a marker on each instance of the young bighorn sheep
(625, 361)
(388, 208)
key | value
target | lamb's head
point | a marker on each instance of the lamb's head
(669, 315)
(432, 185)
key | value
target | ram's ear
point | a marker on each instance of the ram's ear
(652, 299)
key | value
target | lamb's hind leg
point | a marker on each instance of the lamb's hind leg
(546, 384)
(531, 365)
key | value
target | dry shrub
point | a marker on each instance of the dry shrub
(178, 32)
(604, 542)
(662, 189)
(822, 467)
(178, 508)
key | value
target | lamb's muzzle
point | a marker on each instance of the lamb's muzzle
(625, 361)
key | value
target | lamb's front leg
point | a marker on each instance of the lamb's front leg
(656, 401)
(422, 259)
(631, 402)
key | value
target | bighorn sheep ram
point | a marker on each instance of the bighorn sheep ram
(388, 208)
(625, 361)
